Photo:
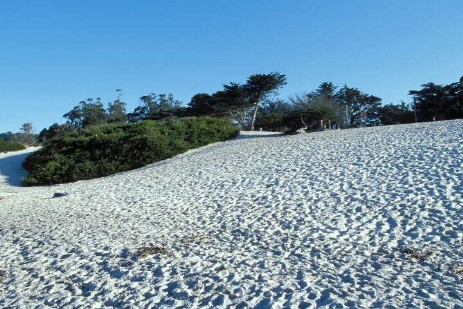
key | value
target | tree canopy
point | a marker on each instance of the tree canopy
(439, 102)
(238, 101)
(259, 87)
(346, 107)
(255, 104)
(155, 106)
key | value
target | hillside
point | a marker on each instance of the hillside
(362, 218)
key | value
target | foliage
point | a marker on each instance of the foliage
(26, 136)
(238, 101)
(439, 102)
(344, 107)
(56, 131)
(326, 108)
(308, 118)
(87, 113)
(347, 107)
(7, 136)
(314, 108)
(232, 102)
(202, 104)
(361, 108)
(155, 107)
(108, 149)
(229, 102)
(396, 114)
(117, 112)
(259, 87)
(27, 128)
(6, 146)
(272, 115)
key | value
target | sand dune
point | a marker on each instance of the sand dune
(357, 218)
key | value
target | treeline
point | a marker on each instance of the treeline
(91, 112)
(26, 136)
(255, 104)
(239, 102)
(439, 102)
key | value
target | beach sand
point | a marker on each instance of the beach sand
(360, 218)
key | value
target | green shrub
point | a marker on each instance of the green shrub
(6, 146)
(104, 150)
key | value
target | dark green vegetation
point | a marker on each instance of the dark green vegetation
(439, 102)
(108, 149)
(6, 146)
(327, 105)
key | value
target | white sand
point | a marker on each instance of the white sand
(11, 171)
(337, 218)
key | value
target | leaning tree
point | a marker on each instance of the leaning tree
(259, 87)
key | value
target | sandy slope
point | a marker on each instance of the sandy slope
(361, 218)
(11, 171)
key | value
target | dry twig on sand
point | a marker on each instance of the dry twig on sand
(458, 270)
(415, 254)
(148, 250)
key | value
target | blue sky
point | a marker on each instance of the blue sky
(54, 54)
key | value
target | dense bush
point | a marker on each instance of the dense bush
(104, 150)
(10, 146)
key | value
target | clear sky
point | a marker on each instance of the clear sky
(54, 54)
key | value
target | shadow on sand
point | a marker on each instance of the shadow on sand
(11, 170)
(248, 136)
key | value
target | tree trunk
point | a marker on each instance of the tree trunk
(254, 116)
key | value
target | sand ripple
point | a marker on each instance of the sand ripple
(357, 218)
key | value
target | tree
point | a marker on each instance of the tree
(93, 113)
(202, 104)
(116, 111)
(232, 102)
(27, 128)
(74, 116)
(344, 108)
(272, 113)
(259, 87)
(360, 108)
(322, 103)
(237, 101)
(26, 136)
(326, 90)
(155, 107)
(396, 114)
(438, 102)
(87, 113)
